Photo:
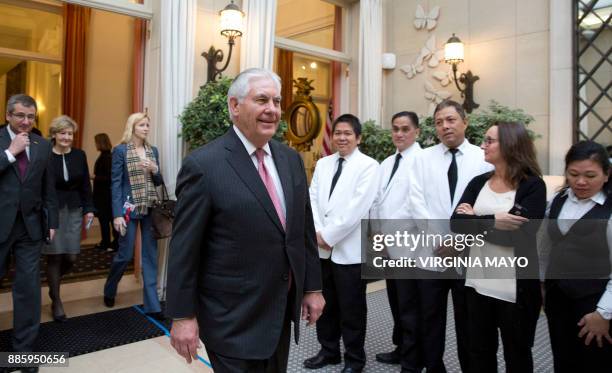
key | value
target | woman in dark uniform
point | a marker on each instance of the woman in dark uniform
(102, 192)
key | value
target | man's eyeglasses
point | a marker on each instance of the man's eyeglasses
(22, 116)
(489, 140)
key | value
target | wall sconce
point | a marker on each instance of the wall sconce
(453, 54)
(231, 27)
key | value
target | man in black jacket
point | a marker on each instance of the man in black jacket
(28, 211)
(243, 255)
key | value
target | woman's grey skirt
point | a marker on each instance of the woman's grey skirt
(67, 238)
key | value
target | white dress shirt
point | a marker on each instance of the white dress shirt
(429, 193)
(500, 282)
(270, 166)
(9, 155)
(572, 210)
(338, 217)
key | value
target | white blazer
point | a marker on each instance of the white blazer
(392, 196)
(338, 217)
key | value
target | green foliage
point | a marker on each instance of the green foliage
(207, 116)
(376, 141)
(478, 123)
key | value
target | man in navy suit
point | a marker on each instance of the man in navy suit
(243, 256)
(28, 211)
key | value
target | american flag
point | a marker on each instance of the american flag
(327, 135)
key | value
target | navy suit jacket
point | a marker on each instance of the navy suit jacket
(30, 196)
(230, 258)
(120, 180)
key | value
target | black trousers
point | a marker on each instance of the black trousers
(516, 323)
(433, 296)
(409, 322)
(569, 352)
(345, 313)
(396, 337)
(106, 228)
(277, 363)
(26, 287)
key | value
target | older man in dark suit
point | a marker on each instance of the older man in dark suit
(28, 208)
(243, 255)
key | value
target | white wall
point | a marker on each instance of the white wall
(208, 32)
(506, 45)
(109, 74)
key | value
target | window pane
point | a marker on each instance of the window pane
(31, 30)
(307, 21)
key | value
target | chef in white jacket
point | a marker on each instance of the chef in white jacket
(342, 191)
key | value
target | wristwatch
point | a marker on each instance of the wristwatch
(607, 315)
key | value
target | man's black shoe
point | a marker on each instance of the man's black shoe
(109, 302)
(351, 370)
(29, 370)
(319, 361)
(392, 357)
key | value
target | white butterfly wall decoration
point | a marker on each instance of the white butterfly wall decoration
(412, 69)
(434, 97)
(430, 53)
(426, 20)
(444, 77)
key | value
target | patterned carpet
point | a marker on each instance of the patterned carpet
(378, 339)
(91, 263)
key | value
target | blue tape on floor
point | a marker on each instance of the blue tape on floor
(167, 332)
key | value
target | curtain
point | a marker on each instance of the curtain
(257, 44)
(370, 67)
(285, 71)
(168, 89)
(140, 38)
(76, 20)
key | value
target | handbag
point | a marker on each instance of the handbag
(162, 215)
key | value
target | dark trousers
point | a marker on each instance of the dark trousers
(409, 322)
(569, 352)
(516, 323)
(345, 313)
(106, 227)
(392, 296)
(26, 287)
(433, 297)
(277, 363)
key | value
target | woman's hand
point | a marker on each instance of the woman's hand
(594, 326)
(465, 208)
(508, 222)
(149, 166)
(119, 224)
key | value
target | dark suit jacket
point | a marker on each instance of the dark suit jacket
(36, 192)
(120, 180)
(531, 195)
(229, 255)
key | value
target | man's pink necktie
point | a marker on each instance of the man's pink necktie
(267, 180)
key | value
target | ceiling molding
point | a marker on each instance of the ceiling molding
(117, 6)
(28, 55)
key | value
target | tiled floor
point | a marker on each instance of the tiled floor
(156, 355)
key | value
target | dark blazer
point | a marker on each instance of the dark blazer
(120, 180)
(36, 192)
(76, 192)
(531, 194)
(102, 184)
(230, 259)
